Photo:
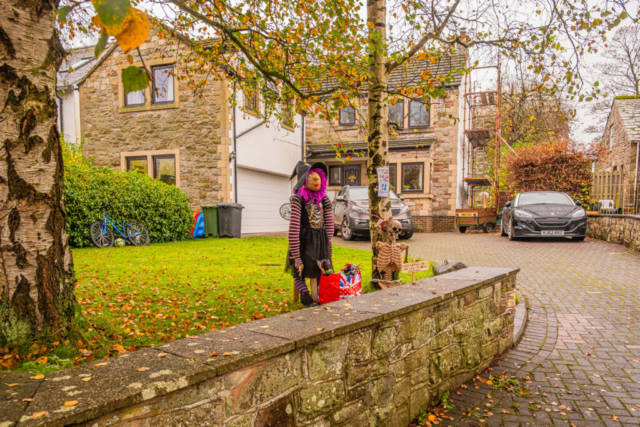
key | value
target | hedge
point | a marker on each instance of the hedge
(163, 209)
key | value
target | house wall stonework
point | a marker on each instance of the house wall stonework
(197, 126)
(439, 155)
(621, 154)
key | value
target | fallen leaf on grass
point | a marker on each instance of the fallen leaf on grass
(143, 369)
(71, 403)
(12, 385)
(489, 382)
(39, 414)
(431, 417)
(86, 379)
(37, 377)
(213, 354)
(27, 400)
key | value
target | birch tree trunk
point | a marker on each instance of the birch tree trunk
(378, 132)
(36, 268)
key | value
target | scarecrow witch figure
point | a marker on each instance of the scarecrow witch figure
(310, 229)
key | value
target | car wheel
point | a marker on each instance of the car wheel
(407, 235)
(345, 230)
(578, 239)
(462, 229)
(489, 227)
(510, 233)
(502, 232)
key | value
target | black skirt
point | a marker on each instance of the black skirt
(314, 246)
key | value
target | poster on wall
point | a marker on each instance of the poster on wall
(383, 181)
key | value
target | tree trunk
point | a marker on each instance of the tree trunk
(378, 132)
(36, 268)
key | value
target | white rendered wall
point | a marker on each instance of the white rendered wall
(270, 147)
(69, 116)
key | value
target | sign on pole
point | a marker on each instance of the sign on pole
(383, 181)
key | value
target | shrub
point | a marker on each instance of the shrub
(161, 208)
(553, 166)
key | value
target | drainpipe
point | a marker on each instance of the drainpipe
(235, 154)
(62, 118)
(635, 185)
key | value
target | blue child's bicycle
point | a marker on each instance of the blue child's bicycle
(102, 235)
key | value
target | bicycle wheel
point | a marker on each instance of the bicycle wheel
(136, 234)
(101, 235)
(285, 211)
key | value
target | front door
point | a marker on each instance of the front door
(352, 175)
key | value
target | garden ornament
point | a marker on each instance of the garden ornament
(310, 230)
(389, 251)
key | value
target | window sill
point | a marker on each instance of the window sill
(346, 127)
(415, 195)
(287, 127)
(253, 113)
(154, 107)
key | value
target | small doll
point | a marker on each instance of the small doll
(310, 229)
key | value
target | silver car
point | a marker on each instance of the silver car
(351, 213)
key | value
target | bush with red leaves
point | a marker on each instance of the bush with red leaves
(553, 166)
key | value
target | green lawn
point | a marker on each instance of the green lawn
(134, 297)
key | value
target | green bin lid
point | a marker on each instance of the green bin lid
(209, 206)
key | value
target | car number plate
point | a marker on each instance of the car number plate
(553, 232)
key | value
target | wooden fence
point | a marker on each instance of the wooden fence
(613, 194)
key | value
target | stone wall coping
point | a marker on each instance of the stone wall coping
(637, 217)
(106, 385)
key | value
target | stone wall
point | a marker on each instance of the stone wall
(377, 359)
(196, 126)
(621, 229)
(434, 224)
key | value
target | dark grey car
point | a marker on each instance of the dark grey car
(543, 214)
(351, 213)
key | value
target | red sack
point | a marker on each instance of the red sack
(339, 286)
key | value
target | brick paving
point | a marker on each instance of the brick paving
(580, 353)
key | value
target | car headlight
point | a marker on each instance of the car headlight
(522, 214)
(578, 214)
(361, 210)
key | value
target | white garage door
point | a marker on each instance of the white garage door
(262, 194)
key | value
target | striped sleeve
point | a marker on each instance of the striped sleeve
(328, 217)
(294, 228)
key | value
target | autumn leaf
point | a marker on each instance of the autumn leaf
(27, 400)
(63, 12)
(71, 403)
(39, 414)
(214, 354)
(143, 369)
(102, 43)
(37, 377)
(86, 379)
(489, 382)
(162, 354)
(134, 79)
(12, 385)
(135, 32)
(42, 360)
(112, 13)
(431, 417)
(102, 364)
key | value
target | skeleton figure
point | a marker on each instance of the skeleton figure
(390, 252)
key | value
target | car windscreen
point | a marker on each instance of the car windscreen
(362, 193)
(544, 199)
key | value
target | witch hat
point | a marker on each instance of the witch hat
(302, 170)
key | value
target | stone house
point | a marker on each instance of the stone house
(424, 145)
(621, 145)
(194, 141)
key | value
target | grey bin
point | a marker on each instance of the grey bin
(230, 219)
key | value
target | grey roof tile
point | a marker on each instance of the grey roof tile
(629, 108)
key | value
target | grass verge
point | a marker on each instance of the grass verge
(134, 297)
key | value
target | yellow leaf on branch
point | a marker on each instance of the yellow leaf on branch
(133, 31)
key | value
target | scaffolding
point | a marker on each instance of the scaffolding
(482, 129)
(481, 126)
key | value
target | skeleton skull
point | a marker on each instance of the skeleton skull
(394, 228)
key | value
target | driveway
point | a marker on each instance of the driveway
(581, 349)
